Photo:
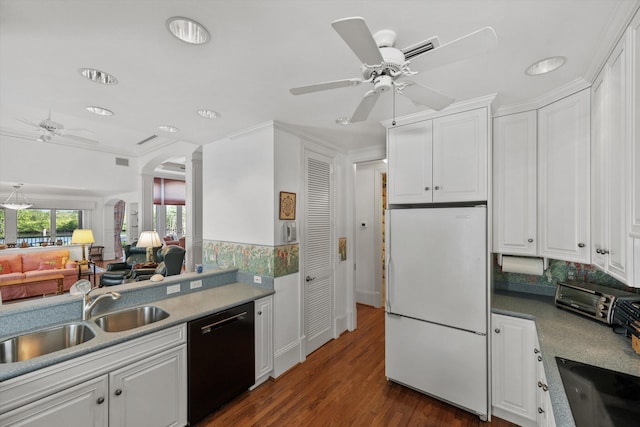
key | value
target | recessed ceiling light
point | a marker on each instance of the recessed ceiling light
(99, 111)
(98, 76)
(546, 65)
(167, 128)
(208, 114)
(188, 30)
(344, 121)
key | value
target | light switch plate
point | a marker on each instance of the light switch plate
(173, 289)
(196, 284)
(257, 279)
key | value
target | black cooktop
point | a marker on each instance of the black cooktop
(600, 397)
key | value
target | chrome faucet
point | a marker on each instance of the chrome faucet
(88, 305)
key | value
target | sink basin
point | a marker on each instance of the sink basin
(39, 343)
(131, 318)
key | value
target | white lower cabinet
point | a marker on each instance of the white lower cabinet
(519, 393)
(84, 405)
(264, 338)
(137, 383)
(513, 369)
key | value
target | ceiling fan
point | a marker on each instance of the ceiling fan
(50, 129)
(387, 67)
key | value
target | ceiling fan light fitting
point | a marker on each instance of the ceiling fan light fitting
(188, 30)
(385, 38)
(16, 204)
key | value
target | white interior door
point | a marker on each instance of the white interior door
(318, 250)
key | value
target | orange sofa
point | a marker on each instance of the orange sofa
(23, 266)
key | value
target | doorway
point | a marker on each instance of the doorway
(369, 216)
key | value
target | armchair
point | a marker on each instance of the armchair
(171, 256)
(117, 272)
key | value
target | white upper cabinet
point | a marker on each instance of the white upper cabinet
(514, 184)
(409, 160)
(460, 157)
(610, 145)
(563, 178)
(439, 160)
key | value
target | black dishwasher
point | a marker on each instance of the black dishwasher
(221, 353)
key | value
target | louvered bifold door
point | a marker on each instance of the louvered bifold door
(318, 251)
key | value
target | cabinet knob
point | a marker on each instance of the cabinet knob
(100, 400)
(536, 351)
(539, 358)
(497, 330)
(437, 187)
(540, 410)
(259, 313)
(581, 245)
(530, 240)
(604, 251)
(118, 392)
(426, 188)
(598, 251)
(543, 386)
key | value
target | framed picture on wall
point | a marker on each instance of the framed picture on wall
(287, 205)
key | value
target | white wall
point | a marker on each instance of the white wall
(238, 188)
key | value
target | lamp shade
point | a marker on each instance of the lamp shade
(82, 236)
(149, 239)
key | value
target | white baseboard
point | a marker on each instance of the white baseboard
(342, 325)
(286, 358)
(367, 298)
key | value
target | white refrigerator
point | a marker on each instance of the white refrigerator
(436, 303)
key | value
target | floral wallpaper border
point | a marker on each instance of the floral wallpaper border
(559, 271)
(269, 261)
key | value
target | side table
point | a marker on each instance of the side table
(87, 269)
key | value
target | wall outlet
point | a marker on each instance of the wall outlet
(257, 279)
(196, 284)
(173, 289)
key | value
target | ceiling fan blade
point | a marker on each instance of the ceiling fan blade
(78, 138)
(421, 95)
(364, 108)
(465, 47)
(356, 34)
(325, 86)
(30, 123)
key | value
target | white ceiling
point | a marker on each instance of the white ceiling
(260, 49)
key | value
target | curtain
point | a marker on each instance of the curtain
(169, 192)
(118, 221)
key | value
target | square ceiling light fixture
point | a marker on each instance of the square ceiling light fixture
(188, 30)
(546, 65)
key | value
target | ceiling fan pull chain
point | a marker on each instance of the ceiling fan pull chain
(393, 119)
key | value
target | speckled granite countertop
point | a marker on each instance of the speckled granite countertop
(571, 336)
(181, 309)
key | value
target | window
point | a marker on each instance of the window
(2, 226)
(39, 226)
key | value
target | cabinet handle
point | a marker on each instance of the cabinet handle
(604, 251)
(539, 358)
(100, 400)
(536, 351)
(581, 245)
(540, 410)
(543, 386)
(497, 330)
(118, 392)
(530, 240)
(598, 251)
(426, 188)
(259, 313)
(437, 187)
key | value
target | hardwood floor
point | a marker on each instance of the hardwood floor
(342, 384)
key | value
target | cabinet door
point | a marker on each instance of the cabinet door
(460, 157)
(514, 183)
(84, 405)
(264, 338)
(598, 162)
(513, 368)
(563, 178)
(151, 392)
(544, 410)
(634, 157)
(409, 157)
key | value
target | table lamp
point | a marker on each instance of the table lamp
(149, 240)
(82, 236)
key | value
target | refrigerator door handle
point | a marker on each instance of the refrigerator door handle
(387, 301)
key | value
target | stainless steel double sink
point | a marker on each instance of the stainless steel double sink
(45, 341)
